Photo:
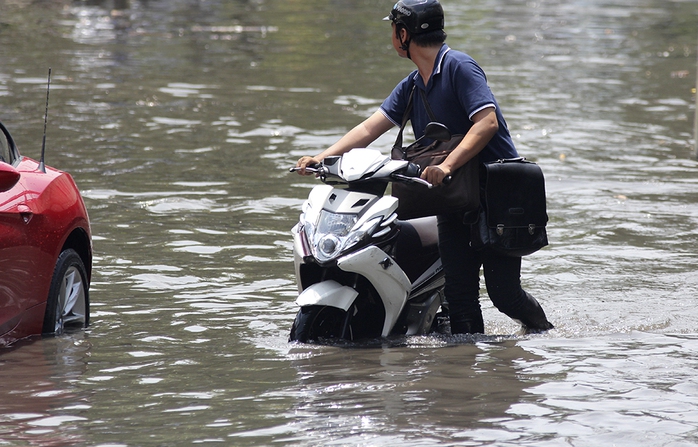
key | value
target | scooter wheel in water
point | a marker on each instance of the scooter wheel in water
(313, 323)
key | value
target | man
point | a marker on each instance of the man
(457, 92)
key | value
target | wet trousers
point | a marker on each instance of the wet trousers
(502, 278)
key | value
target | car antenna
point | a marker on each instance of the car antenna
(42, 166)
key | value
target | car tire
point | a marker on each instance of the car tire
(68, 304)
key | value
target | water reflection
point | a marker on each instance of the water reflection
(44, 404)
(379, 396)
(609, 398)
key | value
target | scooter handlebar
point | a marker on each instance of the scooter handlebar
(410, 175)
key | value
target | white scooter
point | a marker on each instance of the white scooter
(361, 272)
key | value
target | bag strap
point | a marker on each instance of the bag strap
(405, 118)
(432, 117)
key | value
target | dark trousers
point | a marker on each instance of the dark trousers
(502, 278)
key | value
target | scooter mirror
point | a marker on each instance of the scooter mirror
(437, 131)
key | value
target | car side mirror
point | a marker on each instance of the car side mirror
(9, 177)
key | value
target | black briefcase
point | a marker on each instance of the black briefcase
(513, 212)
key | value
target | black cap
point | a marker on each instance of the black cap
(418, 16)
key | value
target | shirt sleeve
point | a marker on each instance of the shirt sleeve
(473, 92)
(394, 105)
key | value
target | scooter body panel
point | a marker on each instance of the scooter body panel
(387, 278)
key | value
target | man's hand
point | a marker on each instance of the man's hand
(304, 162)
(435, 174)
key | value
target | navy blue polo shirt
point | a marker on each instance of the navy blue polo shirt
(456, 91)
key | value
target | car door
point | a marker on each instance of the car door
(15, 268)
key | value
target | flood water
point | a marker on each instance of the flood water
(178, 120)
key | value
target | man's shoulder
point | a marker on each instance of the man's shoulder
(458, 63)
(455, 57)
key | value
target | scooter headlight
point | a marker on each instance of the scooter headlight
(331, 235)
(328, 245)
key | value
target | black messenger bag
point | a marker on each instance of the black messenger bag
(513, 213)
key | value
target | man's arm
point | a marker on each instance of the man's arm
(360, 136)
(484, 127)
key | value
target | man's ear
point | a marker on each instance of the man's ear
(403, 34)
(404, 38)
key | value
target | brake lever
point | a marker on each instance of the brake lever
(307, 169)
(413, 180)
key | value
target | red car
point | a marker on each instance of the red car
(45, 248)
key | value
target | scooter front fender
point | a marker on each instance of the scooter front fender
(389, 280)
(327, 293)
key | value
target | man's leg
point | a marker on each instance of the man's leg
(462, 268)
(503, 281)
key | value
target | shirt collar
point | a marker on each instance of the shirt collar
(437, 66)
(440, 59)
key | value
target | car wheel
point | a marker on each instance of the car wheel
(68, 304)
